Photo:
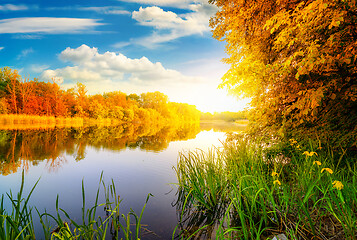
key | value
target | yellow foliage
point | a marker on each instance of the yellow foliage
(295, 59)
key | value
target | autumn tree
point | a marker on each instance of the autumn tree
(157, 101)
(36, 97)
(69, 100)
(296, 60)
(82, 100)
(25, 89)
(9, 84)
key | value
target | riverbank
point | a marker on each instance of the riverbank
(221, 125)
(23, 121)
(251, 190)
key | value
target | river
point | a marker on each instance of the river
(138, 160)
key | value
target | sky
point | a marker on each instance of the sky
(132, 46)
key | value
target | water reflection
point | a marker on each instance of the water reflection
(138, 158)
(197, 222)
(23, 148)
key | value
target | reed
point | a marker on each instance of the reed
(19, 223)
(239, 191)
(23, 121)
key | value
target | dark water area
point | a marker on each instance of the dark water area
(139, 160)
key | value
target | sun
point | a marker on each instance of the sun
(211, 99)
(221, 102)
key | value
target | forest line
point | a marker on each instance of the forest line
(34, 97)
(24, 101)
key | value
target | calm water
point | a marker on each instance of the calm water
(140, 161)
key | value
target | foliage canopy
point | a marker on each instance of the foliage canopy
(296, 60)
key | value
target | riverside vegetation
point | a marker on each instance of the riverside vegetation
(247, 189)
(295, 172)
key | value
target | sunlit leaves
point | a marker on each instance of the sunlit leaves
(295, 59)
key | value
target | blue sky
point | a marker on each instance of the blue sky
(132, 46)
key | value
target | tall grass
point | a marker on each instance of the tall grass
(23, 121)
(240, 192)
(19, 223)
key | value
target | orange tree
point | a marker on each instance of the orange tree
(296, 60)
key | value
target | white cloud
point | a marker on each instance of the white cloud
(38, 68)
(51, 75)
(106, 10)
(1, 48)
(166, 3)
(121, 44)
(169, 26)
(12, 7)
(27, 36)
(47, 25)
(106, 72)
(24, 53)
(91, 66)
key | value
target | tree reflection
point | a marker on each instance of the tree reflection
(26, 148)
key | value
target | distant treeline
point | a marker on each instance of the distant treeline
(226, 116)
(34, 97)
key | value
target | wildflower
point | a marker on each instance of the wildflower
(310, 154)
(277, 182)
(337, 184)
(319, 148)
(318, 163)
(298, 147)
(293, 141)
(274, 174)
(329, 170)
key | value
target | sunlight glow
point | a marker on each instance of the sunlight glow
(212, 100)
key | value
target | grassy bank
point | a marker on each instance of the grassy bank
(223, 126)
(244, 190)
(96, 223)
(23, 121)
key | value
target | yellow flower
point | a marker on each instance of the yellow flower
(274, 174)
(310, 154)
(277, 182)
(293, 141)
(298, 147)
(318, 163)
(329, 170)
(337, 184)
(319, 148)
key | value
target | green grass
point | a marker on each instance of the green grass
(18, 225)
(244, 190)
